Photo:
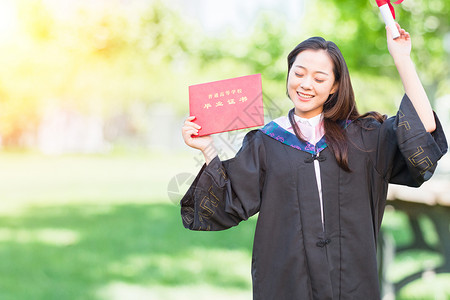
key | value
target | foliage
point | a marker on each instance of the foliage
(358, 29)
(103, 61)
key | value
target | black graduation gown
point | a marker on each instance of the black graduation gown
(294, 257)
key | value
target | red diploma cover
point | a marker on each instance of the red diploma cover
(227, 105)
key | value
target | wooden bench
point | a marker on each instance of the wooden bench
(432, 200)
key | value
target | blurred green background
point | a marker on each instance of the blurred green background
(92, 165)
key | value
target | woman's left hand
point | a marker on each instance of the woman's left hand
(401, 46)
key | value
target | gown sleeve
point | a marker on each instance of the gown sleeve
(226, 192)
(406, 153)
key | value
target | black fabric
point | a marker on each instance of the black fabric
(294, 257)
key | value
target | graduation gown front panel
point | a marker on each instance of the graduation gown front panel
(294, 255)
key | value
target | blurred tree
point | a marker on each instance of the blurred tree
(358, 29)
(39, 23)
(267, 48)
(164, 34)
(95, 61)
(263, 50)
(109, 61)
(59, 61)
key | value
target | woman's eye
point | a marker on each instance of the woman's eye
(298, 75)
(320, 80)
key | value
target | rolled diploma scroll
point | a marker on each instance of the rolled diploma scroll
(389, 20)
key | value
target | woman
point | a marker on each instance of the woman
(318, 177)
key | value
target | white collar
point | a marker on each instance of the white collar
(310, 122)
(286, 124)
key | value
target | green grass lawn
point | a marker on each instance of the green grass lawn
(104, 227)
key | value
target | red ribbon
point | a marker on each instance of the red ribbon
(388, 2)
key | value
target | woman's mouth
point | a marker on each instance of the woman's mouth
(305, 96)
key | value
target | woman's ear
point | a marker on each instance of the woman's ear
(334, 88)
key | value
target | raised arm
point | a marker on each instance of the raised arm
(400, 50)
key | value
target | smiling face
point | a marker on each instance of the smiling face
(310, 82)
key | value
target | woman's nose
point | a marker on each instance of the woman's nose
(305, 83)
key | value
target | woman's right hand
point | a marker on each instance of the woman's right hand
(189, 132)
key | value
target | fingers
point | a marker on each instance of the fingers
(189, 129)
(400, 29)
(189, 134)
(192, 124)
(403, 33)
